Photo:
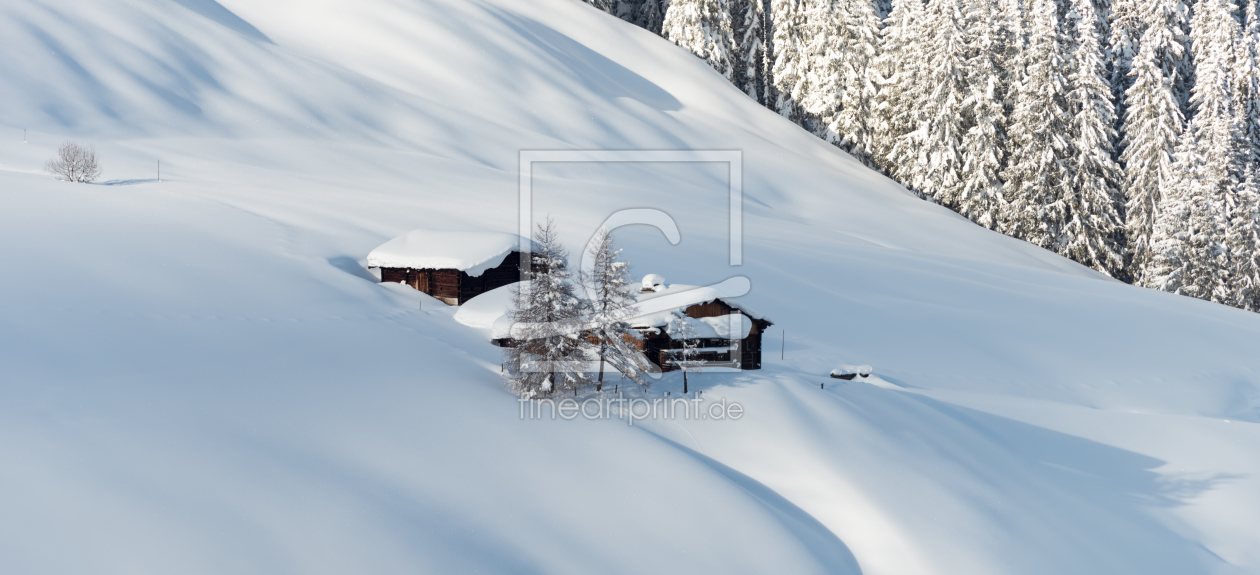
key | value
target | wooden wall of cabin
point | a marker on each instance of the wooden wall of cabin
(750, 347)
(453, 286)
(714, 308)
(750, 351)
(507, 272)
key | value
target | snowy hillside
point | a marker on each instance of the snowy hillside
(199, 375)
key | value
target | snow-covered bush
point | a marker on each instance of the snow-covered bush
(74, 163)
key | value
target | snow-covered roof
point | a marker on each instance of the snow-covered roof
(489, 310)
(472, 252)
(733, 326)
(656, 307)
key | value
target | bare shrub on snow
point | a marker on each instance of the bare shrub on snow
(74, 163)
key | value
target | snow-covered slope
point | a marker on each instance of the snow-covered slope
(199, 375)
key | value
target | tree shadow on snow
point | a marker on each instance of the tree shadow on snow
(125, 182)
(595, 71)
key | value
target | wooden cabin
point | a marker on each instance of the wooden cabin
(451, 266)
(729, 335)
(725, 350)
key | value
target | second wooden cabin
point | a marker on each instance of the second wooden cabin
(451, 266)
(725, 333)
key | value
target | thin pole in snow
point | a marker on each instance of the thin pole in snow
(782, 344)
(159, 170)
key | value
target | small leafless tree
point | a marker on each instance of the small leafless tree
(74, 163)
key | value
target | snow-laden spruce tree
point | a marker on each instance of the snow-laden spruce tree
(1242, 242)
(1190, 249)
(900, 67)
(838, 91)
(1092, 195)
(932, 152)
(650, 15)
(704, 27)
(609, 6)
(1152, 125)
(610, 306)
(1037, 175)
(549, 352)
(984, 144)
(748, 18)
(882, 8)
(857, 106)
(789, 70)
(1247, 76)
(1242, 234)
(1122, 47)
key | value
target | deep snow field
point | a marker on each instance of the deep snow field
(198, 375)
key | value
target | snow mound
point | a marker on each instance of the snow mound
(848, 371)
(482, 311)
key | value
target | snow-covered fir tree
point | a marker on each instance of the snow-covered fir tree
(821, 84)
(1243, 233)
(836, 91)
(610, 306)
(704, 27)
(858, 29)
(1190, 247)
(1038, 175)
(899, 67)
(548, 352)
(1242, 242)
(748, 18)
(1247, 76)
(932, 153)
(984, 144)
(650, 15)
(789, 71)
(1092, 195)
(1122, 47)
(1153, 124)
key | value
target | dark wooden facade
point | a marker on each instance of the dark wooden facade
(453, 286)
(661, 349)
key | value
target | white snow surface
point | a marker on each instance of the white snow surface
(482, 311)
(472, 252)
(732, 326)
(200, 375)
